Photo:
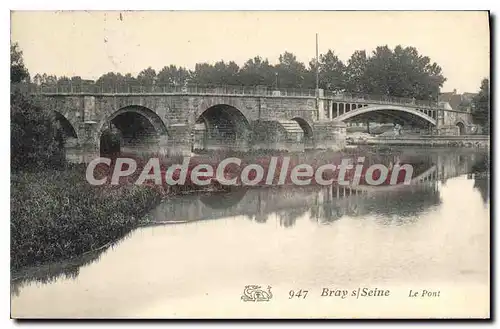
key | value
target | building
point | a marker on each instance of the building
(458, 102)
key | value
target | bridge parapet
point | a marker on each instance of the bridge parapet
(68, 89)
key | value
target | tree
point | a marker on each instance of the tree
(36, 142)
(310, 77)
(63, 80)
(355, 72)
(147, 77)
(109, 82)
(51, 80)
(257, 72)
(291, 73)
(377, 74)
(481, 106)
(37, 79)
(203, 74)
(64, 84)
(129, 79)
(332, 72)
(226, 74)
(36, 139)
(402, 73)
(18, 72)
(171, 75)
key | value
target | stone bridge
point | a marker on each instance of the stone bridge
(179, 120)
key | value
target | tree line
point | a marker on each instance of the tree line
(398, 72)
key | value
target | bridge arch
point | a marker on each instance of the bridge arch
(65, 125)
(221, 125)
(139, 111)
(67, 134)
(305, 125)
(138, 127)
(387, 109)
(307, 129)
(224, 200)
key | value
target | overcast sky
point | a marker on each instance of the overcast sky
(89, 44)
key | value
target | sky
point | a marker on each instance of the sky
(91, 43)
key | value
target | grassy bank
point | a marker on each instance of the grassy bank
(57, 214)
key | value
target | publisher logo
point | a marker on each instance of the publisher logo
(254, 293)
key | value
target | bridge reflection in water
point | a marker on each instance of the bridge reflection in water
(330, 203)
(325, 204)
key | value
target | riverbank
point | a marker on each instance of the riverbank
(57, 214)
(427, 141)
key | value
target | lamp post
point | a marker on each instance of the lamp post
(317, 65)
(317, 76)
(276, 80)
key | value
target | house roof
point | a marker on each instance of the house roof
(452, 98)
(455, 99)
(468, 95)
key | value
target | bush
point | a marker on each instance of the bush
(36, 141)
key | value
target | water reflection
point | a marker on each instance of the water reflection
(481, 183)
(50, 273)
(480, 174)
(405, 204)
(289, 206)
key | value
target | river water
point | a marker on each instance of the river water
(432, 238)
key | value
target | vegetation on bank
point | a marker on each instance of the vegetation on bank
(36, 141)
(57, 214)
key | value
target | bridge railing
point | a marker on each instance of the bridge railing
(382, 99)
(168, 89)
(92, 88)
